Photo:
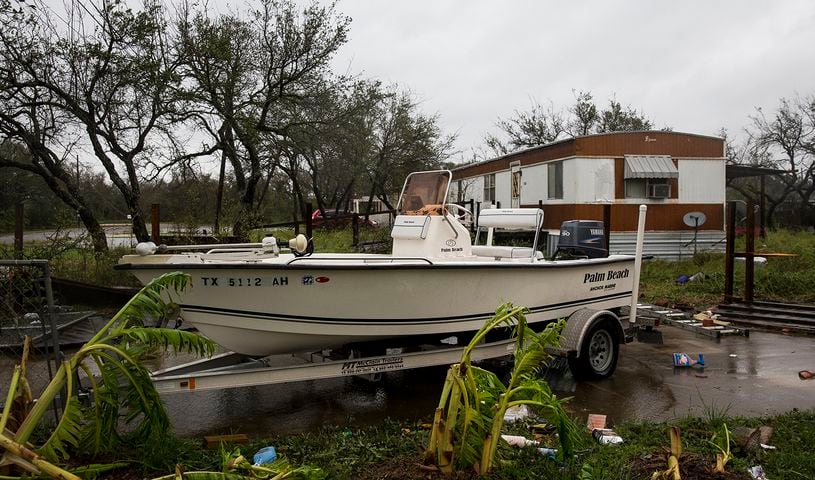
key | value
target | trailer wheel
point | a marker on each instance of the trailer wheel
(599, 352)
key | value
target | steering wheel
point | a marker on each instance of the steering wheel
(461, 212)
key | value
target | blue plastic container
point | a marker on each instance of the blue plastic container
(265, 455)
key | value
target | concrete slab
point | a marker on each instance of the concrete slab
(742, 376)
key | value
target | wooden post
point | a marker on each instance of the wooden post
(730, 251)
(309, 226)
(472, 210)
(750, 260)
(355, 230)
(19, 218)
(477, 213)
(155, 220)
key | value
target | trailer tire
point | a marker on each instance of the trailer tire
(599, 352)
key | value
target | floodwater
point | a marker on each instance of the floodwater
(743, 376)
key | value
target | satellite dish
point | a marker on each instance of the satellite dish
(694, 219)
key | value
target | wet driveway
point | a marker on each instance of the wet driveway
(743, 376)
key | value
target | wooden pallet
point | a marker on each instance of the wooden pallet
(685, 320)
(786, 317)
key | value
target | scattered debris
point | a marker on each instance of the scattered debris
(596, 421)
(767, 447)
(757, 473)
(783, 317)
(689, 321)
(751, 439)
(542, 428)
(685, 360)
(214, 441)
(606, 436)
(265, 455)
(596, 424)
(733, 355)
(696, 277)
(519, 440)
(548, 452)
(515, 413)
(806, 375)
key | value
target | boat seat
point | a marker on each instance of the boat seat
(519, 218)
(493, 251)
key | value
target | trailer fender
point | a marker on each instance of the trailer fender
(580, 322)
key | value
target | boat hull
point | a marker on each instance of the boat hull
(262, 309)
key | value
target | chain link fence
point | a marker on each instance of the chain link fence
(27, 309)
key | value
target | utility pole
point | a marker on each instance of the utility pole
(78, 224)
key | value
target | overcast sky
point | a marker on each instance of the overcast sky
(695, 66)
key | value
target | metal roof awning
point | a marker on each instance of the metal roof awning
(650, 166)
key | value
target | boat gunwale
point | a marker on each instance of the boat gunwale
(382, 264)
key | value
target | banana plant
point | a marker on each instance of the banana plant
(721, 440)
(237, 467)
(673, 471)
(122, 385)
(470, 415)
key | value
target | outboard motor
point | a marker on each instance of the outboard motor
(582, 239)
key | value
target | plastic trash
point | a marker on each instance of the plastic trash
(697, 277)
(685, 360)
(596, 421)
(757, 473)
(265, 455)
(515, 413)
(548, 452)
(606, 436)
(518, 440)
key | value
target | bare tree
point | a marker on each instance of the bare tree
(106, 71)
(525, 129)
(403, 140)
(249, 79)
(545, 124)
(617, 118)
(790, 133)
(584, 116)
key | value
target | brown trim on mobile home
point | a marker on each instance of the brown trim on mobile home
(607, 145)
(624, 216)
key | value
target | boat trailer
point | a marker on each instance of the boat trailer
(232, 370)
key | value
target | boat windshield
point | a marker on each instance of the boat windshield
(425, 193)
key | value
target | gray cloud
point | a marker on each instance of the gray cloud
(696, 65)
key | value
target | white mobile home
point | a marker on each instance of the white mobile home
(673, 173)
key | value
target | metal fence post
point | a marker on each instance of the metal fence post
(49, 297)
(155, 222)
(19, 218)
(309, 225)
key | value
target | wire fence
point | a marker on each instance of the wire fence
(27, 309)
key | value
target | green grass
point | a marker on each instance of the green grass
(334, 240)
(781, 279)
(350, 453)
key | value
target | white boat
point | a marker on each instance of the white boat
(254, 300)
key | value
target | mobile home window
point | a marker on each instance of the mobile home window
(489, 188)
(647, 188)
(555, 178)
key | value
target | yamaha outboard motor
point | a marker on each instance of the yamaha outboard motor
(582, 239)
